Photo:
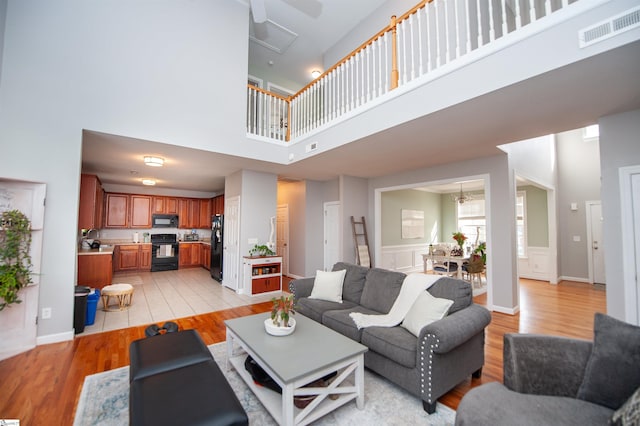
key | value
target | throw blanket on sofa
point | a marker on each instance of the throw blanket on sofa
(412, 285)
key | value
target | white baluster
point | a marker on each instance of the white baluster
(386, 63)
(420, 36)
(428, 8)
(492, 33)
(468, 19)
(457, 27)
(479, 23)
(532, 11)
(447, 48)
(412, 31)
(518, 15)
(370, 53)
(505, 28)
(547, 8)
(437, 29)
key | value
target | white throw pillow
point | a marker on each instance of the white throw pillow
(425, 310)
(328, 286)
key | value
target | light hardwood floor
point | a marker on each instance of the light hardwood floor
(43, 385)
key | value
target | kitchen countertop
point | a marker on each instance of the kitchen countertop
(101, 250)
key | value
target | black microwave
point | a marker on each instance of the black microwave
(164, 221)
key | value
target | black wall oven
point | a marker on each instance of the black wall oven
(164, 252)
(164, 221)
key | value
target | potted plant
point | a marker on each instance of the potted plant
(282, 310)
(15, 260)
(261, 250)
(481, 250)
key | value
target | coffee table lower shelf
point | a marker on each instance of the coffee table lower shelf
(276, 403)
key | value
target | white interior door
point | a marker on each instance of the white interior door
(331, 234)
(282, 236)
(18, 321)
(231, 244)
(595, 241)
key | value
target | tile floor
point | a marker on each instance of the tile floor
(164, 296)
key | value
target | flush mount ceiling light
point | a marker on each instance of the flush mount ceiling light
(149, 182)
(315, 74)
(153, 161)
(461, 198)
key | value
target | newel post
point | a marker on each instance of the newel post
(288, 134)
(394, 54)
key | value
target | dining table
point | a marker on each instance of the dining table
(459, 260)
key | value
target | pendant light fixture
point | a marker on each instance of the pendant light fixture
(461, 198)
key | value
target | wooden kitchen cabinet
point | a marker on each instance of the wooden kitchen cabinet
(95, 270)
(91, 202)
(190, 255)
(204, 217)
(140, 211)
(116, 211)
(206, 256)
(263, 285)
(126, 257)
(164, 205)
(217, 205)
(145, 257)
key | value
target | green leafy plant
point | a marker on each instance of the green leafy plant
(261, 250)
(482, 251)
(15, 261)
(282, 310)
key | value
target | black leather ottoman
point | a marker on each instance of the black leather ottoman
(175, 381)
(164, 352)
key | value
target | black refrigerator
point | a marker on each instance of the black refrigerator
(217, 234)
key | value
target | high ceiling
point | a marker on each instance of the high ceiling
(560, 100)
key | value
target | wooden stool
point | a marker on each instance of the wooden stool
(123, 292)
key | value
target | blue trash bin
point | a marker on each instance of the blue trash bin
(92, 306)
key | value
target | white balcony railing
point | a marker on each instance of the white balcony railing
(430, 35)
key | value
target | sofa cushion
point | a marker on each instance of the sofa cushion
(353, 280)
(454, 289)
(381, 289)
(493, 404)
(425, 310)
(340, 321)
(314, 308)
(328, 286)
(395, 343)
(612, 372)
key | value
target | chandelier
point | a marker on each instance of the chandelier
(461, 198)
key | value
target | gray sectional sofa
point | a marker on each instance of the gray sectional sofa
(445, 352)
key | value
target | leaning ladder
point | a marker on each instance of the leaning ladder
(363, 256)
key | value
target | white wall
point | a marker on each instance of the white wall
(314, 258)
(354, 199)
(619, 147)
(500, 196)
(578, 182)
(150, 70)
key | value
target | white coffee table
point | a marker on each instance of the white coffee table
(312, 351)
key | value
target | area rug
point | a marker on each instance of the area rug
(104, 401)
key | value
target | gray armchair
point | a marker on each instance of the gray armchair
(560, 381)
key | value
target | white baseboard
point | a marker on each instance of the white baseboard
(503, 310)
(54, 338)
(576, 279)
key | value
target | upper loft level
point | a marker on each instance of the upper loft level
(433, 39)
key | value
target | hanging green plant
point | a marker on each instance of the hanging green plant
(15, 261)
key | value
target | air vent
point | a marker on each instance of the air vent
(312, 147)
(610, 27)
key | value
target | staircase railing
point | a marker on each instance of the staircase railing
(430, 35)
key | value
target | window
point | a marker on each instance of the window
(521, 223)
(472, 221)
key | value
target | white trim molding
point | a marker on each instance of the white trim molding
(536, 265)
(404, 258)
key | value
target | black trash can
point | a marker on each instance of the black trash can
(80, 308)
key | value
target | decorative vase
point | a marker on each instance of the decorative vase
(275, 330)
